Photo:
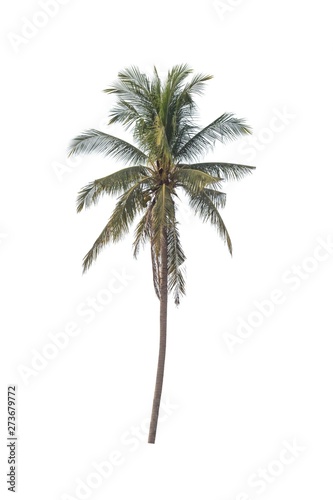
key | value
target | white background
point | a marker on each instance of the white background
(232, 409)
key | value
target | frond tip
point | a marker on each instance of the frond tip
(95, 141)
(205, 205)
(225, 128)
(225, 171)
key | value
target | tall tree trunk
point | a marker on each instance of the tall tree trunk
(163, 333)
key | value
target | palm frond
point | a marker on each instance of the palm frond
(204, 205)
(95, 141)
(195, 180)
(184, 133)
(163, 219)
(143, 233)
(177, 104)
(124, 113)
(115, 183)
(163, 209)
(196, 85)
(133, 90)
(226, 171)
(129, 205)
(217, 197)
(162, 212)
(130, 80)
(176, 257)
(156, 268)
(225, 128)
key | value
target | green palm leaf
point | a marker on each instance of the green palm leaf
(195, 180)
(204, 205)
(176, 257)
(156, 268)
(163, 211)
(112, 184)
(217, 197)
(225, 128)
(225, 171)
(142, 232)
(135, 102)
(95, 141)
(129, 205)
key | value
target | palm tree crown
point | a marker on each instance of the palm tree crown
(164, 160)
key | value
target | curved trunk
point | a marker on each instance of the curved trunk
(163, 332)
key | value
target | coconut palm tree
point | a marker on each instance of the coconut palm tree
(165, 160)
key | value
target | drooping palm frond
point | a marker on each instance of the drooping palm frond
(217, 197)
(162, 212)
(143, 234)
(95, 141)
(161, 218)
(129, 205)
(225, 128)
(156, 268)
(205, 206)
(113, 184)
(176, 257)
(225, 171)
(164, 221)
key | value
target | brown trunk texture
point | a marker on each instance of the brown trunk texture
(162, 348)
